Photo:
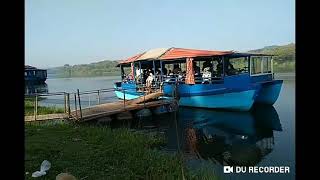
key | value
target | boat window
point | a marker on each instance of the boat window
(255, 65)
(269, 65)
(265, 64)
(25, 74)
(235, 66)
(260, 65)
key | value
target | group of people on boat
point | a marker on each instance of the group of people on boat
(149, 75)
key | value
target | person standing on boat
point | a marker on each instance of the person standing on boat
(138, 73)
(149, 81)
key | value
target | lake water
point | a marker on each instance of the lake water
(264, 136)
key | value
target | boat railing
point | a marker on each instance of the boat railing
(171, 79)
(198, 79)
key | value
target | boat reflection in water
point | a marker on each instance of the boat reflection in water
(35, 88)
(230, 138)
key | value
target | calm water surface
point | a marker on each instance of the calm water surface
(209, 139)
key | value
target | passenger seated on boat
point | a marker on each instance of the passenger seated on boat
(230, 70)
(207, 64)
(164, 71)
(128, 77)
(158, 74)
(176, 69)
(219, 68)
(206, 74)
(170, 73)
(196, 68)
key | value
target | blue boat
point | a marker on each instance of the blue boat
(227, 79)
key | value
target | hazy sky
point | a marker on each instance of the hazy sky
(59, 32)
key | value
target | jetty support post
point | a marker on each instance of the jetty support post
(65, 102)
(35, 107)
(89, 99)
(79, 103)
(98, 96)
(75, 104)
(68, 104)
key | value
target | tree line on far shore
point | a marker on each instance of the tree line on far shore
(284, 61)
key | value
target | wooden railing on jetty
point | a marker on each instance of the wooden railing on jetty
(109, 109)
(80, 113)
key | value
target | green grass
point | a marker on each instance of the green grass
(29, 108)
(100, 153)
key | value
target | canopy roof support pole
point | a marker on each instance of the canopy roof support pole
(154, 69)
(249, 65)
(161, 70)
(211, 69)
(133, 71)
(141, 75)
(223, 69)
(121, 68)
(272, 67)
(262, 60)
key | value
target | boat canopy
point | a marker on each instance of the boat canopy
(177, 53)
(169, 54)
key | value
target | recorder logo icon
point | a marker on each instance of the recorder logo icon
(227, 169)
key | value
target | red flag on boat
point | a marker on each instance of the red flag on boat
(132, 71)
(190, 72)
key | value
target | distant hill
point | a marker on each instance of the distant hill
(102, 68)
(285, 56)
(284, 61)
(283, 53)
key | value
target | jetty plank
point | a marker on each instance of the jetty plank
(101, 111)
(107, 109)
(46, 117)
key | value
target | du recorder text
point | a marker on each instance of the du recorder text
(256, 169)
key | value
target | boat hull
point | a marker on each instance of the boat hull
(127, 95)
(241, 101)
(269, 92)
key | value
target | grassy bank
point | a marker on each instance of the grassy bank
(29, 108)
(100, 153)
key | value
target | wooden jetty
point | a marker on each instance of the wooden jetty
(45, 117)
(120, 108)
